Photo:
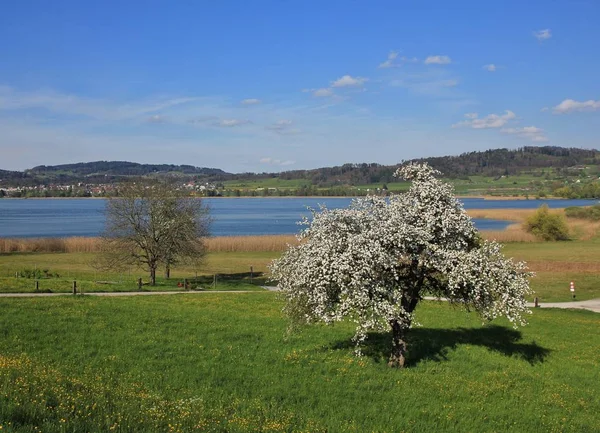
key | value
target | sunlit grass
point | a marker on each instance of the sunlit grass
(223, 362)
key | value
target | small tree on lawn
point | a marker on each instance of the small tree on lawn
(152, 223)
(374, 262)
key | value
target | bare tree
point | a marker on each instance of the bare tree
(152, 223)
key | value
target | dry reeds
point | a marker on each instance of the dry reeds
(250, 243)
(513, 233)
(92, 245)
(49, 245)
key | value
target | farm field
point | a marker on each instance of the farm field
(223, 362)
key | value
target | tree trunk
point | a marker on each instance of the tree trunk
(398, 356)
(153, 275)
(168, 272)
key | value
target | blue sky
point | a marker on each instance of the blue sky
(280, 85)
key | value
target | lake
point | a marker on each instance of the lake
(28, 218)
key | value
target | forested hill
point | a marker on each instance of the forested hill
(491, 163)
(120, 168)
(505, 162)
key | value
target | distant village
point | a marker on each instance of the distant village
(93, 190)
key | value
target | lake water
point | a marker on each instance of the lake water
(231, 216)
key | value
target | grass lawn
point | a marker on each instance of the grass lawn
(222, 362)
(232, 270)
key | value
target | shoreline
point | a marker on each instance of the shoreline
(482, 197)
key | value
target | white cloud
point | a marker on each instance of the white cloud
(157, 118)
(570, 105)
(320, 93)
(349, 81)
(437, 60)
(489, 121)
(542, 35)
(409, 59)
(490, 68)
(532, 133)
(251, 101)
(230, 123)
(389, 63)
(283, 127)
(278, 162)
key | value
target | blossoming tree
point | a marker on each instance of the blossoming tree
(374, 261)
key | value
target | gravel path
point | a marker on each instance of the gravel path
(44, 295)
(591, 305)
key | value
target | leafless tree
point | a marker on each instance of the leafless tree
(153, 223)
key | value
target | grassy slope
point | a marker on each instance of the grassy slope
(220, 362)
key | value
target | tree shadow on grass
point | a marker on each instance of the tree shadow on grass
(432, 344)
(257, 278)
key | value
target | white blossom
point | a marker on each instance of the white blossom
(374, 261)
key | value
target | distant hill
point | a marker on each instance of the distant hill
(120, 168)
(493, 163)
(507, 162)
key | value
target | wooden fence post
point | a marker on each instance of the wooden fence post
(251, 274)
(74, 287)
(37, 286)
(139, 284)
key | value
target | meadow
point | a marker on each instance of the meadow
(223, 362)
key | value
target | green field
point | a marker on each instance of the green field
(232, 271)
(222, 362)
(562, 262)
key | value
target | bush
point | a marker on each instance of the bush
(547, 226)
(591, 213)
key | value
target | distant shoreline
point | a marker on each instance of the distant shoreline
(483, 197)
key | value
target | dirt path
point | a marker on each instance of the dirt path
(188, 292)
(591, 305)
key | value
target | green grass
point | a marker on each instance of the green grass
(232, 270)
(222, 362)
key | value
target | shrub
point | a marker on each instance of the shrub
(591, 213)
(547, 226)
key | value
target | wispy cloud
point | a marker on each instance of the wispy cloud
(529, 132)
(437, 60)
(251, 101)
(276, 162)
(323, 92)
(489, 121)
(230, 123)
(56, 102)
(389, 63)
(570, 106)
(157, 118)
(283, 127)
(490, 68)
(349, 81)
(542, 35)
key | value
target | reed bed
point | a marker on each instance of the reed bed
(267, 243)
(49, 245)
(513, 233)
(250, 243)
